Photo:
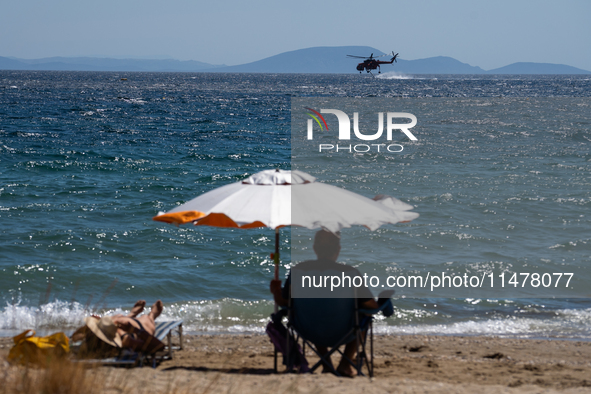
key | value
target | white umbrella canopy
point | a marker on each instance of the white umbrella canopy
(278, 198)
(316, 205)
(262, 200)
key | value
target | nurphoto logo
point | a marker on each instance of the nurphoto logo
(345, 131)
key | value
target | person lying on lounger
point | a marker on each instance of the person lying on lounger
(122, 331)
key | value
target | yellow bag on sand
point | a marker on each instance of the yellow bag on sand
(29, 349)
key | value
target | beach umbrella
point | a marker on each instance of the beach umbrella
(278, 198)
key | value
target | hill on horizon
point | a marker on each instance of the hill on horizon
(537, 68)
(322, 60)
(102, 64)
(316, 60)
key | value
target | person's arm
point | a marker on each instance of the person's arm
(370, 304)
(383, 298)
(128, 337)
(276, 290)
(128, 341)
(136, 339)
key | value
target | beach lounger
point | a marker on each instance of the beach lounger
(128, 358)
(331, 322)
(164, 333)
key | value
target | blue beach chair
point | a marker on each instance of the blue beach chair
(332, 322)
(164, 333)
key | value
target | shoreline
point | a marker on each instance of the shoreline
(243, 363)
(11, 333)
(8, 334)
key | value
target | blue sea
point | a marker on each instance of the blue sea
(500, 174)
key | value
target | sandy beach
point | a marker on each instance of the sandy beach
(405, 364)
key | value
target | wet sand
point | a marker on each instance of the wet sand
(403, 364)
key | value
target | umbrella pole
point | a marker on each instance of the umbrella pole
(276, 254)
(276, 260)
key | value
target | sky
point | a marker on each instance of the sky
(483, 33)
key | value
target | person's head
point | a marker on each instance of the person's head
(94, 347)
(327, 245)
(101, 338)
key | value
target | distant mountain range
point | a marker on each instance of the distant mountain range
(101, 64)
(321, 60)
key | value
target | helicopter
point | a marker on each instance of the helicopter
(370, 63)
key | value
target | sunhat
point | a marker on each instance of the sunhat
(105, 329)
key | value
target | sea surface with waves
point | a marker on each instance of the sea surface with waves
(501, 177)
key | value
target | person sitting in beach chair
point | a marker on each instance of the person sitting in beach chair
(349, 312)
(107, 335)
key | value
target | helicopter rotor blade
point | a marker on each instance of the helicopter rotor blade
(370, 57)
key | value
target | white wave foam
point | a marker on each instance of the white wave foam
(394, 75)
(566, 324)
(54, 315)
(134, 100)
(238, 316)
(57, 314)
